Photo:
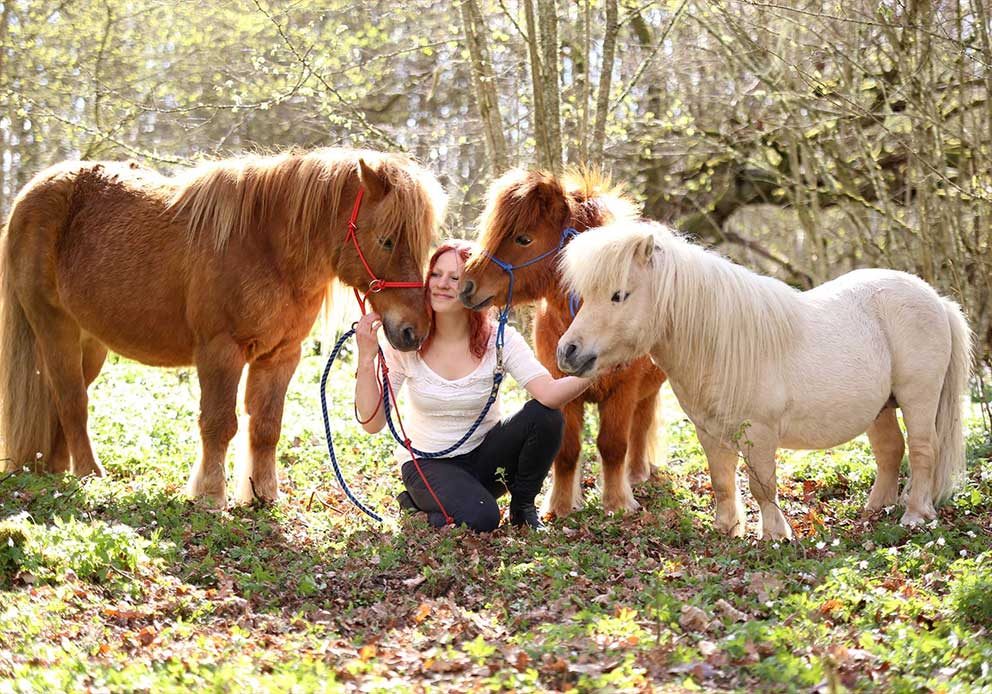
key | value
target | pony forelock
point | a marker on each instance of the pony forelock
(521, 199)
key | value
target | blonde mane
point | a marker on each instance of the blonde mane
(231, 198)
(723, 318)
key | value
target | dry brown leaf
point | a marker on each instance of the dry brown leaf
(693, 619)
(421, 614)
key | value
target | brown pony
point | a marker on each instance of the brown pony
(223, 267)
(525, 216)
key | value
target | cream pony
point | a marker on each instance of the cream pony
(757, 365)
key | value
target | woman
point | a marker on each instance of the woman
(448, 381)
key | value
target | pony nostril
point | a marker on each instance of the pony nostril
(468, 288)
(570, 350)
(409, 335)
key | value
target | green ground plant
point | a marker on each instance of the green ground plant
(120, 584)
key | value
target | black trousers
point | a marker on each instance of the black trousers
(515, 456)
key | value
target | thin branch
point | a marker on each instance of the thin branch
(647, 61)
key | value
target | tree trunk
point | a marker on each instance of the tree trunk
(548, 32)
(540, 118)
(605, 81)
(485, 84)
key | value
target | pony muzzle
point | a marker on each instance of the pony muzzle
(468, 298)
(403, 336)
(572, 360)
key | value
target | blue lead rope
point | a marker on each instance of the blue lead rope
(327, 430)
(493, 395)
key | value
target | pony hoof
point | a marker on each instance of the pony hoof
(912, 519)
(735, 529)
(881, 500)
(628, 506)
(209, 502)
(560, 510)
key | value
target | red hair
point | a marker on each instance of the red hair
(480, 325)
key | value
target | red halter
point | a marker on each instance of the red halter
(376, 285)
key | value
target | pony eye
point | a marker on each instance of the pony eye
(524, 240)
(387, 243)
(619, 296)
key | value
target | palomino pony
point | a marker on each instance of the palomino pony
(757, 365)
(223, 267)
(526, 214)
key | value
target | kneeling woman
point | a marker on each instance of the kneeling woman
(448, 381)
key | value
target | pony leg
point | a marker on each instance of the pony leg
(60, 345)
(566, 484)
(265, 397)
(888, 445)
(759, 456)
(722, 462)
(615, 415)
(920, 414)
(94, 355)
(645, 447)
(218, 366)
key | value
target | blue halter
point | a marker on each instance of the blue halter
(573, 299)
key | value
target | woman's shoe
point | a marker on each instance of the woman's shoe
(526, 515)
(406, 502)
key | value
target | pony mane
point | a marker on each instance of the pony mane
(722, 323)
(595, 200)
(230, 198)
(582, 197)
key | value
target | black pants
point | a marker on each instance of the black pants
(515, 456)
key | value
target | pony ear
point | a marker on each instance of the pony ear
(645, 250)
(374, 184)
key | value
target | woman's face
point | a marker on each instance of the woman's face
(443, 283)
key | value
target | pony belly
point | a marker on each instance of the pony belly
(153, 355)
(142, 336)
(825, 431)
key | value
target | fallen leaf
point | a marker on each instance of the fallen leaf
(421, 614)
(522, 661)
(147, 635)
(415, 581)
(830, 606)
(729, 611)
(693, 619)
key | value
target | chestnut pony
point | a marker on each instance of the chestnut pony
(222, 267)
(525, 216)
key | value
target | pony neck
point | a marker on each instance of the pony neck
(721, 326)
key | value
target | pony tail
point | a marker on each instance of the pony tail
(950, 458)
(28, 417)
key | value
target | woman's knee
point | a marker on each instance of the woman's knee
(548, 419)
(482, 517)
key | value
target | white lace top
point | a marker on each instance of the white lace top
(437, 412)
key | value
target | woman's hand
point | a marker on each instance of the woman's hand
(366, 333)
(367, 395)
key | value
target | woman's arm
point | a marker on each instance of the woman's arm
(555, 392)
(367, 385)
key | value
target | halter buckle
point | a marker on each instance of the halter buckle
(376, 286)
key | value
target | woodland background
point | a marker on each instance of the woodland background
(804, 138)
